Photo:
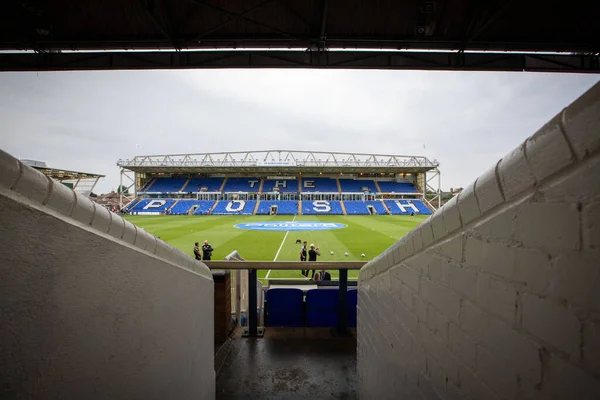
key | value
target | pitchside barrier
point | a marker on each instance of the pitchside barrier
(248, 291)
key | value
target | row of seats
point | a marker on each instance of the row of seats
(362, 207)
(321, 207)
(397, 187)
(184, 207)
(235, 207)
(152, 206)
(130, 205)
(284, 207)
(166, 185)
(286, 307)
(310, 185)
(404, 207)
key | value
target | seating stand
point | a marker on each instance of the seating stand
(253, 330)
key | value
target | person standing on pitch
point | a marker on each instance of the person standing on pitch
(197, 251)
(207, 250)
(312, 256)
(303, 253)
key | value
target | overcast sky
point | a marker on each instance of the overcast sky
(88, 120)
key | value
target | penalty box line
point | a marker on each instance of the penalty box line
(280, 247)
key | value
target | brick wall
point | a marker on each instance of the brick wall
(92, 307)
(496, 295)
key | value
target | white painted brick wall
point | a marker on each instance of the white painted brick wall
(514, 172)
(489, 257)
(42, 191)
(550, 227)
(451, 215)
(497, 295)
(532, 268)
(61, 199)
(487, 191)
(467, 204)
(551, 321)
(548, 150)
(591, 226)
(69, 270)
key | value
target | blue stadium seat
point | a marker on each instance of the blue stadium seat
(211, 185)
(322, 307)
(166, 185)
(284, 307)
(352, 301)
(183, 206)
(321, 207)
(284, 185)
(152, 206)
(284, 207)
(397, 187)
(356, 207)
(241, 185)
(146, 185)
(406, 206)
(323, 185)
(130, 205)
(378, 206)
(205, 206)
(245, 207)
(355, 186)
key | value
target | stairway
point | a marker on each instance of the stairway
(147, 185)
(213, 207)
(428, 205)
(256, 207)
(260, 187)
(343, 207)
(172, 205)
(377, 186)
(338, 185)
(223, 185)
(299, 207)
(386, 207)
(185, 185)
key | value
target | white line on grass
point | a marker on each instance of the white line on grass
(280, 247)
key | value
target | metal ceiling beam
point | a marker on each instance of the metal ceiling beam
(487, 23)
(282, 41)
(73, 61)
(233, 16)
(323, 35)
(243, 16)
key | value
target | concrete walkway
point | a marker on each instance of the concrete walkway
(290, 363)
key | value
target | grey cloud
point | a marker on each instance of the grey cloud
(89, 120)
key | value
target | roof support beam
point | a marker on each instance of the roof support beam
(323, 35)
(233, 17)
(73, 61)
(487, 23)
(243, 16)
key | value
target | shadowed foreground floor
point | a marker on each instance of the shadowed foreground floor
(290, 363)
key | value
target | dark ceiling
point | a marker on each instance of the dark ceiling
(48, 26)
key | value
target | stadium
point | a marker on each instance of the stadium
(492, 296)
(353, 205)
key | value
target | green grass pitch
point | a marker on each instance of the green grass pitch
(366, 234)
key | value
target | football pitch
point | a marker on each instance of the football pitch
(362, 234)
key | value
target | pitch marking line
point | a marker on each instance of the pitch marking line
(280, 247)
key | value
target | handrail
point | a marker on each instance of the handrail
(285, 265)
(235, 261)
